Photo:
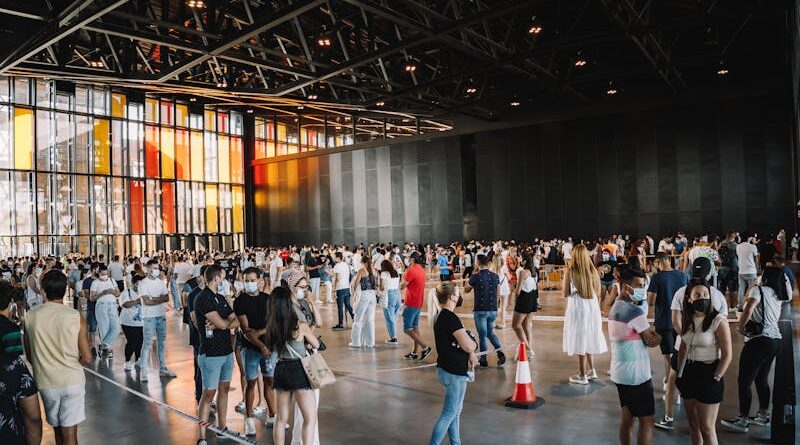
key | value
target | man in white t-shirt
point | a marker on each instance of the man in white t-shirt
(181, 272)
(341, 282)
(117, 272)
(154, 294)
(275, 270)
(747, 253)
(566, 250)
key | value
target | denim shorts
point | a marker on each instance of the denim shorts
(254, 363)
(411, 318)
(215, 369)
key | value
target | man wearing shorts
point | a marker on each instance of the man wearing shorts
(630, 362)
(414, 285)
(57, 344)
(251, 310)
(215, 319)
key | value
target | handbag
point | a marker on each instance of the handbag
(754, 328)
(318, 373)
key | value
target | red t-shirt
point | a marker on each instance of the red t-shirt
(415, 292)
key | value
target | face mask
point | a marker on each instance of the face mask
(701, 305)
(300, 294)
(19, 271)
(223, 287)
(251, 287)
(606, 257)
(103, 277)
(638, 294)
(155, 273)
(37, 271)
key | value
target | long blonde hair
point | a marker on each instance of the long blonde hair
(436, 297)
(583, 273)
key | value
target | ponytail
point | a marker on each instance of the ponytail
(433, 307)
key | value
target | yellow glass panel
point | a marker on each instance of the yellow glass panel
(223, 158)
(238, 209)
(181, 115)
(167, 153)
(151, 110)
(23, 138)
(102, 143)
(118, 102)
(270, 149)
(211, 208)
(209, 120)
(196, 149)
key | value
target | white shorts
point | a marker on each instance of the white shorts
(64, 407)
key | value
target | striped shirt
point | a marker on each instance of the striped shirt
(630, 364)
(10, 340)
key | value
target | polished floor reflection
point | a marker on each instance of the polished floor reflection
(378, 399)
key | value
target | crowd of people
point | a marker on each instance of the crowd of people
(258, 310)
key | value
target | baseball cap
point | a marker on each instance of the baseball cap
(701, 268)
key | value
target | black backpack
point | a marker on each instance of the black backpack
(726, 255)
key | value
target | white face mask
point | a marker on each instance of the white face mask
(606, 257)
(155, 273)
(251, 287)
(300, 294)
(223, 287)
(103, 277)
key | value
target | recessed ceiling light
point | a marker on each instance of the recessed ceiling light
(312, 96)
(195, 3)
(535, 29)
(249, 111)
(515, 103)
(472, 90)
(379, 104)
(612, 91)
(723, 70)
(410, 67)
(192, 99)
(580, 63)
(300, 107)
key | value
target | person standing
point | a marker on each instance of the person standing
(527, 302)
(484, 284)
(130, 317)
(154, 295)
(630, 362)
(763, 306)
(703, 358)
(313, 266)
(363, 333)
(104, 293)
(341, 282)
(180, 275)
(729, 269)
(414, 286)
(749, 261)
(455, 348)
(215, 318)
(275, 269)
(56, 342)
(117, 272)
(443, 263)
(583, 324)
(390, 286)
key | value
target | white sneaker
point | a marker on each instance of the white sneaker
(143, 376)
(353, 345)
(249, 427)
(167, 373)
(592, 375)
(270, 421)
(579, 379)
(258, 410)
(128, 366)
(239, 407)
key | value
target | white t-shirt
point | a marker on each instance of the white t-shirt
(664, 246)
(566, 249)
(130, 316)
(116, 271)
(390, 283)
(356, 262)
(342, 272)
(182, 270)
(274, 266)
(153, 288)
(99, 285)
(772, 311)
(747, 253)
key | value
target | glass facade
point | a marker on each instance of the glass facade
(87, 169)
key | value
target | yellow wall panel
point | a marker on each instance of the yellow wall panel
(23, 138)
(118, 102)
(102, 143)
(167, 153)
(211, 208)
(238, 209)
(223, 158)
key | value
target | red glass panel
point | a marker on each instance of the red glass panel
(137, 206)
(151, 151)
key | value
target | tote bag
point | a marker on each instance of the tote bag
(317, 371)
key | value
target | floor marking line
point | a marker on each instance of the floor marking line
(226, 433)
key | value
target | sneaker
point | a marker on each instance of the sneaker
(143, 377)
(239, 407)
(483, 363)
(411, 356)
(579, 379)
(249, 427)
(202, 442)
(761, 419)
(425, 353)
(665, 423)
(501, 358)
(213, 408)
(258, 410)
(269, 422)
(338, 327)
(128, 366)
(738, 423)
(392, 341)
(353, 345)
(167, 373)
(592, 375)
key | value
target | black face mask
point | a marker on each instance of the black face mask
(701, 305)
(460, 301)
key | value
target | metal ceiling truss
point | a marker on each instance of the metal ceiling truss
(411, 56)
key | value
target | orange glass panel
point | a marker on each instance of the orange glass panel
(196, 150)
(167, 153)
(237, 160)
(168, 206)
(261, 149)
(118, 103)
(223, 158)
(102, 143)
(23, 138)
(238, 209)
(182, 164)
(211, 208)
(137, 206)
(151, 151)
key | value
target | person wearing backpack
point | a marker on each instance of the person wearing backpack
(759, 325)
(729, 269)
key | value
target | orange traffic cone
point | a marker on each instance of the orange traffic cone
(523, 388)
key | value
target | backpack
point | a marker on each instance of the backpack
(726, 255)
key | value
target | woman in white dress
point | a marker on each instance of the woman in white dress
(583, 324)
(499, 267)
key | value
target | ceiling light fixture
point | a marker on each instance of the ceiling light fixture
(196, 3)
(312, 96)
(324, 41)
(515, 103)
(535, 29)
(472, 90)
(192, 99)
(300, 107)
(612, 91)
(96, 64)
(379, 104)
(580, 63)
(723, 70)
(410, 67)
(249, 111)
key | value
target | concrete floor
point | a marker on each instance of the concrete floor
(382, 398)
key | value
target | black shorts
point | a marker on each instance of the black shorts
(443, 277)
(290, 376)
(728, 279)
(527, 302)
(637, 398)
(697, 383)
(667, 341)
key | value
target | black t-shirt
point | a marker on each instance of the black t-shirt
(255, 308)
(191, 284)
(194, 335)
(219, 344)
(606, 269)
(313, 262)
(87, 284)
(451, 357)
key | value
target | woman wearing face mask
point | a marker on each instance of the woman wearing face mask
(703, 358)
(363, 333)
(455, 348)
(130, 317)
(606, 268)
(33, 294)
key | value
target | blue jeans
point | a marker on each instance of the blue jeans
(390, 312)
(342, 302)
(484, 323)
(153, 327)
(455, 387)
(176, 295)
(745, 281)
(107, 322)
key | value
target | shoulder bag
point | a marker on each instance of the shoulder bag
(318, 373)
(754, 328)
